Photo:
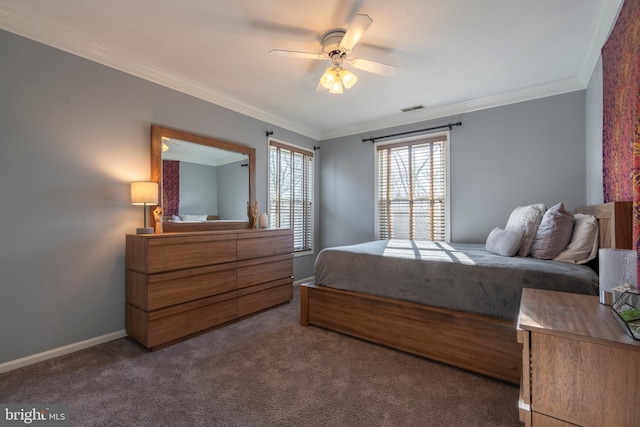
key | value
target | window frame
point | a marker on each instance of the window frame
(447, 179)
(304, 151)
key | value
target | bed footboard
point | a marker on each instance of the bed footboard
(304, 303)
(476, 343)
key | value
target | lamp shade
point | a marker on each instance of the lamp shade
(616, 267)
(337, 78)
(144, 193)
(328, 78)
(348, 78)
(336, 87)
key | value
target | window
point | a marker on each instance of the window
(291, 192)
(412, 189)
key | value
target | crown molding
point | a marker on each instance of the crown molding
(602, 27)
(121, 61)
(520, 95)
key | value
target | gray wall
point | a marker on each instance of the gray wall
(501, 158)
(199, 189)
(233, 180)
(595, 193)
(74, 134)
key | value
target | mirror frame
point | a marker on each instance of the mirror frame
(157, 132)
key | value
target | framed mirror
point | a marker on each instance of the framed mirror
(205, 183)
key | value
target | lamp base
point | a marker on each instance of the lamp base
(606, 297)
(145, 230)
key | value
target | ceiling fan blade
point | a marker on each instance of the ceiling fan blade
(356, 30)
(296, 54)
(372, 66)
(263, 25)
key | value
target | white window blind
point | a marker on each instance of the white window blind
(412, 189)
(291, 192)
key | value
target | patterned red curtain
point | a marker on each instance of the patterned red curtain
(170, 186)
(621, 113)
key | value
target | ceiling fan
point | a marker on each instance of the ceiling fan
(336, 47)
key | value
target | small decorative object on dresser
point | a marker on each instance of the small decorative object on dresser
(180, 284)
(157, 215)
(264, 220)
(627, 312)
(579, 367)
(254, 216)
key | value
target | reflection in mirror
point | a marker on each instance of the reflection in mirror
(203, 183)
(206, 184)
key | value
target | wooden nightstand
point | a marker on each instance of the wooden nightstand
(578, 365)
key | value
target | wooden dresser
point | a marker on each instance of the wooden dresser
(579, 367)
(179, 284)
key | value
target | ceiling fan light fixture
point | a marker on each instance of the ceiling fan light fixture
(337, 46)
(329, 78)
(337, 86)
(348, 78)
(337, 78)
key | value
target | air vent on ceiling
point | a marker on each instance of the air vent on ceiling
(415, 107)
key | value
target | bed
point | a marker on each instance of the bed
(471, 327)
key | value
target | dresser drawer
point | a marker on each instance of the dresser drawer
(154, 291)
(160, 253)
(189, 252)
(262, 244)
(262, 270)
(260, 297)
(607, 377)
(153, 329)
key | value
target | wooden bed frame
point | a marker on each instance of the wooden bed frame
(481, 344)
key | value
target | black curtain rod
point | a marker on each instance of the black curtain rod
(449, 126)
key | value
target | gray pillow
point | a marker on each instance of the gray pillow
(527, 218)
(554, 233)
(504, 242)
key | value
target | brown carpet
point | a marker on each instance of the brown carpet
(263, 371)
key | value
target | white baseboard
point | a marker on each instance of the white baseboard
(60, 351)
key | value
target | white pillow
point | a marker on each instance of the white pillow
(504, 242)
(176, 218)
(583, 246)
(526, 218)
(188, 217)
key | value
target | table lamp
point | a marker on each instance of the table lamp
(616, 267)
(145, 194)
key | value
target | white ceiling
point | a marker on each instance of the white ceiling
(452, 56)
(199, 154)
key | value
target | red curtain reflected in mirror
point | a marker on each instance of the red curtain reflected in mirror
(171, 186)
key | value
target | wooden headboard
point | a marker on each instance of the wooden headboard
(614, 223)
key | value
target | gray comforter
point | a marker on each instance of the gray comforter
(457, 276)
